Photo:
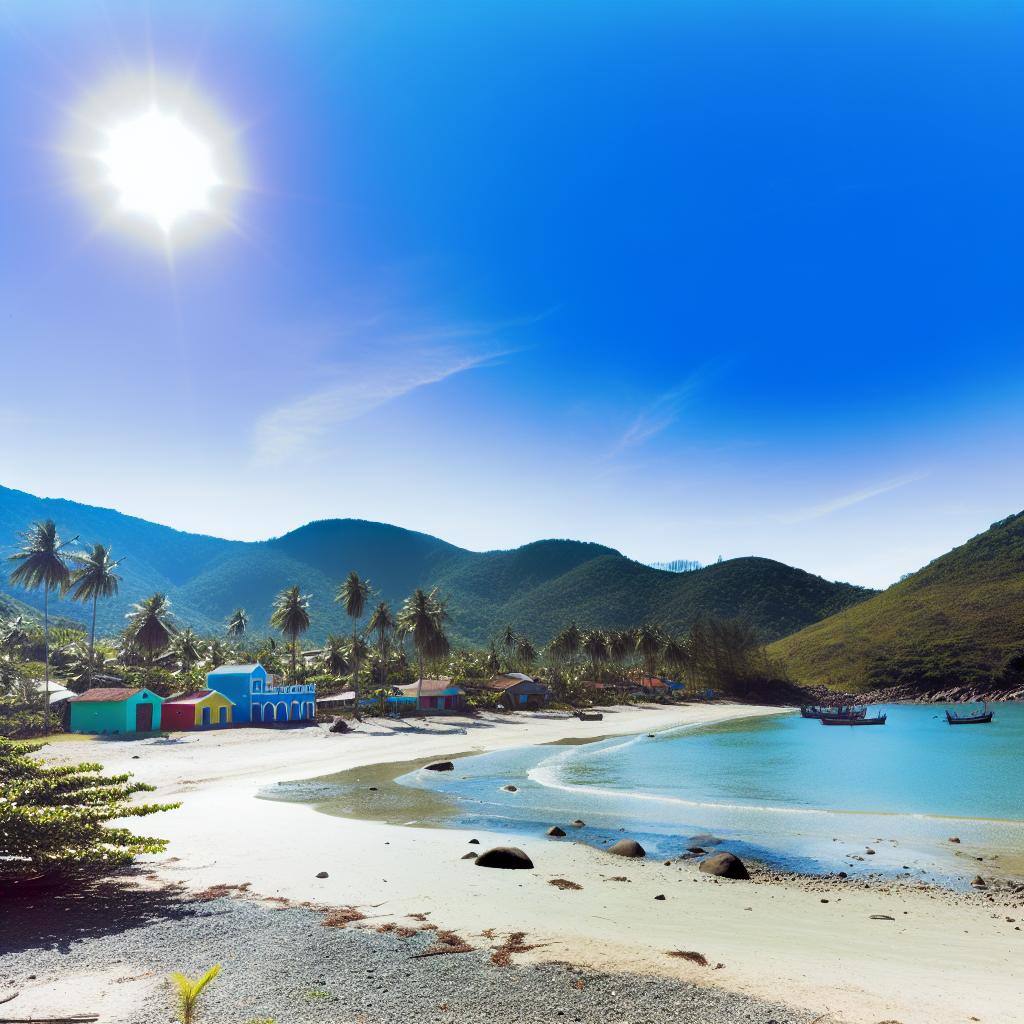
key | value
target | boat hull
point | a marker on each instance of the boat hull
(973, 720)
(880, 720)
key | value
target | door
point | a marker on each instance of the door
(143, 717)
(222, 716)
(206, 716)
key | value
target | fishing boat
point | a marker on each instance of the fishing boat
(861, 719)
(830, 712)
(981, 717)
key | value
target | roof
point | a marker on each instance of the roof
(197, 697)
(653, 683)
(106, 694)
(432, 688)
(510, 679)
(235, 670)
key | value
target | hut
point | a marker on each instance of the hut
(256, 699)
(652, 688)
(434, 695)
(519, 690)
(204, 709)
(115, 709)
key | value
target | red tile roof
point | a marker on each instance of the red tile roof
(105, 694)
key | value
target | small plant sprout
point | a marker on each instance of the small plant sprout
(189, 991)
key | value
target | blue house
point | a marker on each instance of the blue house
(258, 700)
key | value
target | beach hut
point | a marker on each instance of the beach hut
(115, 709)
(519, 690)
(435, 695)
(204, 709)
(652, 688)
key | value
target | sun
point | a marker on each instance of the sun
(160, 167)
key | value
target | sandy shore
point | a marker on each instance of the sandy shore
(935, 959)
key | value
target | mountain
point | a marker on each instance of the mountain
(539, 587)
(957, 620)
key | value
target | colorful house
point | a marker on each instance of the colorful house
(115, 709)
(256, 699)
(434, 695)
(519, 690)
(204, 709)
(652, 688)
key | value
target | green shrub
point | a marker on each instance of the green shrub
(53, 818)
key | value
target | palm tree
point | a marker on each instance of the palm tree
(422, 617)
(187, 650)
(620, 643)
(291, 617)
(150, 628)
(41, 563)
(526, 653)
(508, 641)
(357, 651)
(595, 646)
(353, 594)
(217, 653)
(382, 622)
(332, 657)
(566, 645)
(238, 622)
(92, 578)
(650, 642)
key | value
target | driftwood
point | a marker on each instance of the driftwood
(82, 1018)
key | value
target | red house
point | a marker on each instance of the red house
(204, 709)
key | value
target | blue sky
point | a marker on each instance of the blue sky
(689, 279)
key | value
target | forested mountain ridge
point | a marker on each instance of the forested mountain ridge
(956, 621)
(539, 587)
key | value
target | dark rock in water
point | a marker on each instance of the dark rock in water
(696, 849)
(510, 789)
(724, 865)
(650, 735)
(978, 882)
(869, 851)
(706, 840)
(659, 896)
(439, 766)
(373, 789)
(322, 874)
(556, 831)
(627, 848)
(510, 857)
(578, 823)
(474, 842)
(954, 839)
(842, 874)
(469, 856)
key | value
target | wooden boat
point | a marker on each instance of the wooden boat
(981, 717)
(826, 712)
(862, 720)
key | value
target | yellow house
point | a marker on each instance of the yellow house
(204, 709)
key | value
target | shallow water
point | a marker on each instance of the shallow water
(781, 788)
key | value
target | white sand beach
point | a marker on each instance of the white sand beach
(941, 959)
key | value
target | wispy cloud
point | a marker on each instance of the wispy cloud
(380, 370)
(658, 414)
(848, 500)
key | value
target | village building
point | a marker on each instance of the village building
(204, 709)
(519, 690)
(434, 695)
(115, 709)
(255, 698)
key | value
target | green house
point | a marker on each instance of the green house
(115, 709)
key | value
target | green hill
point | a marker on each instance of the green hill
(539, 587)
(957, 620)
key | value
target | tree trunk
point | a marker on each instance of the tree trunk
(46, 652)
(92, 640)
(355, 678)
(295, 648)
(419, 681)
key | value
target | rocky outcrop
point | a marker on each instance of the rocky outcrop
(439, 766)
(509, 857)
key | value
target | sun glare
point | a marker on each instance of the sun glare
(160, 168)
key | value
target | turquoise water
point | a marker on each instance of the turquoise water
(781, 788)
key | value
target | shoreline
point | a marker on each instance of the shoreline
(778, 938)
